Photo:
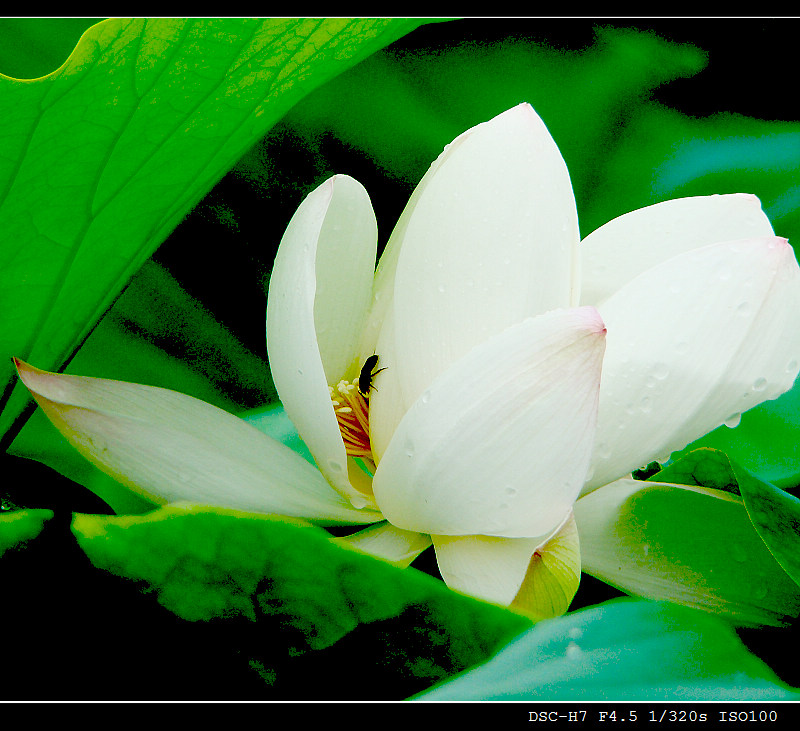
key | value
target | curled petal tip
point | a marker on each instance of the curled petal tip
(594, 321)
(23, 369)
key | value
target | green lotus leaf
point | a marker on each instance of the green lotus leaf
(295, 586)
(103, 157)
(623, 650)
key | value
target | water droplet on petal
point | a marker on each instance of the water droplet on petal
(744, 309)
(733, 421)
(661, 371)
(602, 451)
(760, 384)
(573, 651)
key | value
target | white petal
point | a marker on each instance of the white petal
(630, 244)
(499, 444)
(490, 241)
(690, 545)
(486, 567)
(386, 405)
(319, 295)
(692, 343)
(392, 544)
(173, 447)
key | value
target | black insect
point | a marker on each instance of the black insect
(367, 374)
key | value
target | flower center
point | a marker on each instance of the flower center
(352, 413)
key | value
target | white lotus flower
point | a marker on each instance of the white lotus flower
(515, 372)
(481, 423)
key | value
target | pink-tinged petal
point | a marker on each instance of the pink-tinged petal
(383, 540)
(500, 443)
(627, 246)
(319, 295)
(171, 448)
(689, 545)
(490, 241)
(692, 343)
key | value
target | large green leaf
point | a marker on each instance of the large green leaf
(622, 650)
(294, 586)
(103, 157)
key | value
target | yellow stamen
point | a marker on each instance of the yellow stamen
(352, 413)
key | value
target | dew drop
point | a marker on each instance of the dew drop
(744, 309)
(760, 384)
(573, 651)
(661, 371)
(409, 448)
(646, 548)
(733, 421)
(426, 397)
(603, 451)
(334, 465)
(646, 405)
(792, 366)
